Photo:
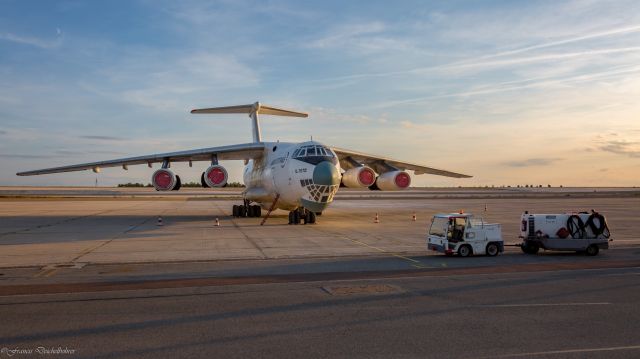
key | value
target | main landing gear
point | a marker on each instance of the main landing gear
(301, 214)
(246, 210)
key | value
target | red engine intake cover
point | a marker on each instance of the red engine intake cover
(216, 176)
(366, 176)
(163, 180)
(402, 180)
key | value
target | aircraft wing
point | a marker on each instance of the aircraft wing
(233, 152)
(383, 164)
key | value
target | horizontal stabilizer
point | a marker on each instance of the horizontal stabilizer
(253, 108)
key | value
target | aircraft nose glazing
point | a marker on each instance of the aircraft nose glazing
(326, 174)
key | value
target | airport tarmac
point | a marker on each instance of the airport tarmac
(76, 231)
(551, 314)
(98, 275)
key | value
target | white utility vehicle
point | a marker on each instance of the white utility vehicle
(581, 232)
(464, 234)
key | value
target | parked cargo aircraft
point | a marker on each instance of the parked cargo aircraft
(301, 178)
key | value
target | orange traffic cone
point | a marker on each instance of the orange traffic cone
(414, 216)
(160, 221)
(217, 223)
(376, 220)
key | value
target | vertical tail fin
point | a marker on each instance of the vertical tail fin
(253, 110)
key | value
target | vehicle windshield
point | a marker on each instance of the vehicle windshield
(439, 226)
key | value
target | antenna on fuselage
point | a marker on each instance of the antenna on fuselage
(253, 110)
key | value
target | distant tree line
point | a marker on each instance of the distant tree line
(509, 186)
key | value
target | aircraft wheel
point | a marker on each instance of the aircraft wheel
(257, 211)
(242, 209)
(291, 217)
(296, 217)
(312, 217)
(234, 212)
(318, 213)
(592, 250)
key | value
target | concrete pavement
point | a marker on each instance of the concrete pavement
(565, 314)
(46, 232)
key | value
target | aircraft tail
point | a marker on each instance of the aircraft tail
(253, 110)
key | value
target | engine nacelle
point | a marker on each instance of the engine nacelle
(165, 180)
(215, 176)
(359, 177)
(393, 181)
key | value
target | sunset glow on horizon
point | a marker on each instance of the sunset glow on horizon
(513, 93)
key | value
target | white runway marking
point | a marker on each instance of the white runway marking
(568, 351)
(538, 305)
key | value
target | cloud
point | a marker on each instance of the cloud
(540, 58)
(345, 35)
(532, 162)
(167, 80)
(23, 156)
(594, 35)
(480, 62)
(102, 138)
(80, 153)
(2, 132)
(622, 147)
(543, 82)
(33, 41)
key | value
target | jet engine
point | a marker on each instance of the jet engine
(165, 180)
(214, 176)
(359, 177)
(392, 181)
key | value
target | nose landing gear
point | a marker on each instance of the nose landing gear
(302, 214)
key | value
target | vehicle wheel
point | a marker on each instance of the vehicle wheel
(530, 248)
(312, 217)
(464, 251)
(492, 249)
(592, 250)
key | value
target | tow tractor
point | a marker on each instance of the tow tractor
(464, 234)
(581, 232)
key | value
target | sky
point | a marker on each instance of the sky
(511, 92)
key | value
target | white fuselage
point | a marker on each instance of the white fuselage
(300, 174)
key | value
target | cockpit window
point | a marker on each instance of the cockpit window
(314, 154)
